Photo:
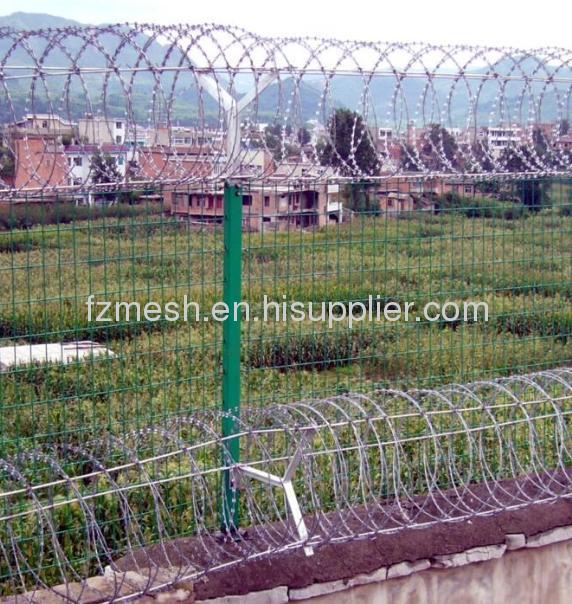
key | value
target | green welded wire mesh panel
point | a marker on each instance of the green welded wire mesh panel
(460, 247)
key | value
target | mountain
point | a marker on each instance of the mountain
(20, 20)
(148, 92)
(425, 102)
(151, 94)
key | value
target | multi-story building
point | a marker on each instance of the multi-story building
(39, 163)
(99, 130)
(564, 142)
(306, 202)
(79, 161)
(269, 207)
(187, 136)
(498, 138)
(41, 125)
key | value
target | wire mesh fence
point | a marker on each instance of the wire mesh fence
(367, 259)
(514, 259)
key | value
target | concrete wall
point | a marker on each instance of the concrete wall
(540, 575)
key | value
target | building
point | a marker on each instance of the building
(497, 138)
(39, 163)
(564, 142)
(276, 207)
(41, 125)
(187, 136)
(79, 159)
(139, 136)
(384, 139)
(306, 202)
(175, 164)
(99, 130)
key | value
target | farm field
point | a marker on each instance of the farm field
(521, 267)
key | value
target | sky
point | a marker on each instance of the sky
(515, 23)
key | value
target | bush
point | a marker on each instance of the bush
(481, 207)
(312, 351)
(26, 215)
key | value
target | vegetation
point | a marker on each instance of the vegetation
(6, 162)
(350, 148)
(24, 216)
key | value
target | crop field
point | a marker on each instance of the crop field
(522, 268)
(520, 264)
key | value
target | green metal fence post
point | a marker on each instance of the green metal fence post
(232, 283)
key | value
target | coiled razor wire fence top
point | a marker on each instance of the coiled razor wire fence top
(188, 104)
(364, 465)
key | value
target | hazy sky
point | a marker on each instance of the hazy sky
(519, 23)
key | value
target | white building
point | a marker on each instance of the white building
(139, 136)
(499, 137)
(79, 159)
(384, 136)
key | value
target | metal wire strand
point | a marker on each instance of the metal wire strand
(370, 464)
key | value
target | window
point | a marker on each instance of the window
(118, 139)
(119, 125)
(77, 161)
(247, 200)
(267, 201)
(44, 124)
(120, 161)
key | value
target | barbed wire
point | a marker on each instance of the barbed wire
(134, 106)
(356, 465)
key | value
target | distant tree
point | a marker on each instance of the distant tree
(349, 148)
(7, 165)
(564, 127)
(276, 140)
(361, 197)
(479, 151)
(104, 169)
(408, 160)
(532, 192)
(516, 159)
(439, 148)
(304, 136)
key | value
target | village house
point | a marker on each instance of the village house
(270, 207)
(189, 137)
(413, 184)
(564, 142)
(39, 163)
(41, 125)
(306, 202)
(406, 193)
(498, 138)
(79, 158)
(100, 130)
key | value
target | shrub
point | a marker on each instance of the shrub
(27, 215)
(313, 351)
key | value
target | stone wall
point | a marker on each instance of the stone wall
(534, 570)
